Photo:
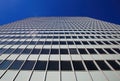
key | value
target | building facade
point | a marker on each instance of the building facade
(60, 49)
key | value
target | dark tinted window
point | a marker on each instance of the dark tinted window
(40, 65)
(85, 42)
(106, 42)
(113, 42)
(73, 51)
(91, 51)
(35, 51)
(26, 51)
(32, 43)
(78, 65)
(117, 50)
(99, 42)
(47, 42)
(28, 65)
(90, 65)
(5, 64)
(45, 51)
(40, 42)
(101, 51)
(115, 65)
(82, 51)
(92, 42)
(102, 65)
(65, 65)
(17, 51)
(53, 65)
(55, 43)
(16, 64)
(77, 43)
(8, 51)
(62, 43)
(70, 42)
(63, 51)
(54, 51)
(109, 51)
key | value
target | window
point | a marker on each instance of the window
(62, 43)
(40, 65)
(55, 43)
(16, 65)
(5, 64)
(106, 42)
(78, 65)
(73, 51)
(54, 51)
(40, 43)
(80, 37)
(28, 65)
(113, 42)
(63, 51)
(8, 51)
(32, 43)
(35, 51)
(77, 43)
(82, 51)
(45, 51)
(65, 65)
(102, 65)
(26, 51)
(17, 51)
(92, 42)
(100, 50)
(117, 50)
(115, 65)
(70, 42)
(68, 37)
(91, 51)
(53, 65)
(85, 42)
(99, 42)
(90, 65)
(109, 51)
(47, 42)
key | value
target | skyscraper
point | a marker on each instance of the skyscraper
(60, 49)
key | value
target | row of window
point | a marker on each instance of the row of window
(62, 32)
(60, 42)
(64, 65)
(63, 37)
(61, 51)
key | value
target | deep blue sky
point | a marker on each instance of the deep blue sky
(12, 10)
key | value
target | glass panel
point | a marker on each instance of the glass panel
(35, 51)
(45, 51)
(28, 65)
(4, 65)
(54, 51)
(109, 51)
(91, 51)
(101, 51)
(90, 65)
(16, 65)
(53, 65)
(40, 65)
(78, 65)
(102, 65)
(63, 51)
(82, 51)
(73, 51)
(65, 65)
(115, 65)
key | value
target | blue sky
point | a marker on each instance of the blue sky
(12, 10)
